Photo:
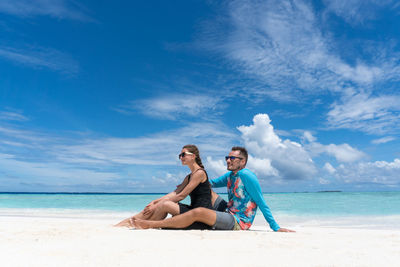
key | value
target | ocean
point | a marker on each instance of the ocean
(336, 209)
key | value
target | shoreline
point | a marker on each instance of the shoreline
(57, 241)
(389, 222)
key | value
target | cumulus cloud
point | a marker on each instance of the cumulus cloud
(217, 166)
(342, 153)
(378, 172)
(273, 157)
(329, 168)
(324, 181)
(308, 137)
(262, 167)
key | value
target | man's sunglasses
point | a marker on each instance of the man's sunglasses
(232, 158)
(182, 155)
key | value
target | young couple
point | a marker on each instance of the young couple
(207, 210)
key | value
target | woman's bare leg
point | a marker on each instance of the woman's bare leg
(161, 211)
(203, 215)
(126, 222)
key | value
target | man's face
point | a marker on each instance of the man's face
(235, 164)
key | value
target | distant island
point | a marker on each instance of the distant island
(329, 191)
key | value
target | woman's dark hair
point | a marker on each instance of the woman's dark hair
(193, 149)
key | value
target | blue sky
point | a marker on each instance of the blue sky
(100, 96)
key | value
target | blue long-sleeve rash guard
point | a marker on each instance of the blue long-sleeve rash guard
(243, 188)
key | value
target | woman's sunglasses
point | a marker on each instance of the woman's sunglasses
(184, 153)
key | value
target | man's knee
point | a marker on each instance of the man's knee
(199, 212)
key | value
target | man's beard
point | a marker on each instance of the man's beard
(234, 170)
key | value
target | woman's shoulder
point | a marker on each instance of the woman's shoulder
(199, 171)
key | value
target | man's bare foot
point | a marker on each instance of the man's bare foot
(141, 224)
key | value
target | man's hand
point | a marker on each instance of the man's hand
(286, 230)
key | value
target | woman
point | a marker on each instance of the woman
(195, 184)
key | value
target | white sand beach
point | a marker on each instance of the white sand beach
(56, 241)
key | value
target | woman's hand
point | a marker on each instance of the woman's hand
(149, 209)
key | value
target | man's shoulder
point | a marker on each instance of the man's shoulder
(247, 174)
(225, 175)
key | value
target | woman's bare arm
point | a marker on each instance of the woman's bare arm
(196, 179)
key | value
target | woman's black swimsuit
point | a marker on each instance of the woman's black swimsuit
(199, 197)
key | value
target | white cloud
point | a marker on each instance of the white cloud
(41, 58)
(356, 12)
(61, 9)
(285, 51)
(280, 44)
(262, 167)
(158, 149)
(309, 137)
(370, 114)
(383, 140)
(217, 166)
(53, 173)
(378, 172)
(52, 160)
(342, 152)
(12, 116)
(273, 157)
(329, 168)
(169, 178)
(324, 181)
(173, 106)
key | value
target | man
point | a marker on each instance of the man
(244, 194)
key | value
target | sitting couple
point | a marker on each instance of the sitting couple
(207, 210)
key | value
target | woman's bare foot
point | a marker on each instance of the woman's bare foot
(124, 223)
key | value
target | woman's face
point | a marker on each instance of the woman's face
(186, 157)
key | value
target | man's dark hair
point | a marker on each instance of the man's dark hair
(243, 152)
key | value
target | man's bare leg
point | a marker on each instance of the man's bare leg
(203, 215)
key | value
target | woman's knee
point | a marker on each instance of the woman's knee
(168, 206)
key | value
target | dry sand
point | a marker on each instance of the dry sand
(43, 241)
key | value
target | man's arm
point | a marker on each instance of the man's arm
(253, 187)
(220, 181)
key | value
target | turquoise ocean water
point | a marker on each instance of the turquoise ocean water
(361, 209)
